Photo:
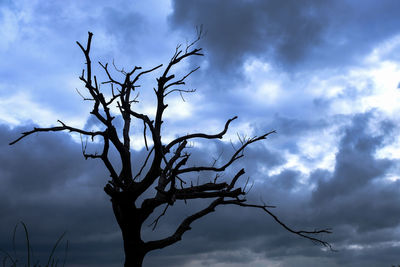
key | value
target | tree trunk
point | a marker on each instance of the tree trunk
(134, 253)
(128, 218)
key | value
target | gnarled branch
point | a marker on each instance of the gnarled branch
(234, 157)
(201, 135)
(63, 127)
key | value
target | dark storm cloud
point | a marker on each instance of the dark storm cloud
(47, 184)
(294, 33)
(356, 165)
(72, 193)
(236, 29)
(45, 177)
(286, 180)
(354, 200)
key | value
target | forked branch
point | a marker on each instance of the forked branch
(306, 234)
(185, 225)
(63, 127)
(237, 155)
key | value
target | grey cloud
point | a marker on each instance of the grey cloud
(306, 34)
(286, 180)
(236, 29)
(45, 176)
(289, 129)
(45, 46)
(47, 184)
(127, 25)
(356, 216)
(365, 214)
(356, 165)
(354, 200)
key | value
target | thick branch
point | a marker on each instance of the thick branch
(201, 135)
(163, 181)
(144, 164)
(185, 225)
(203, 188)
(196, 195)
(107, 163)
(207, 190)
(182, 228)
(159, 152)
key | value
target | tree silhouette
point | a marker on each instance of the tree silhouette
(165, 166)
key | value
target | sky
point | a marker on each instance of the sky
(324, 74)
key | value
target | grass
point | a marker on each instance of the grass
(13, 261)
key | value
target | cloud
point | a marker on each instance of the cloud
(312, 70)
(40, 38)
(48, 185)
(356, 165)
(356, 216)
(354, 199)
(307, 34)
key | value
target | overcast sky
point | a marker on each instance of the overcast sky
(323, 74)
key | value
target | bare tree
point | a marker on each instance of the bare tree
(165, 166)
